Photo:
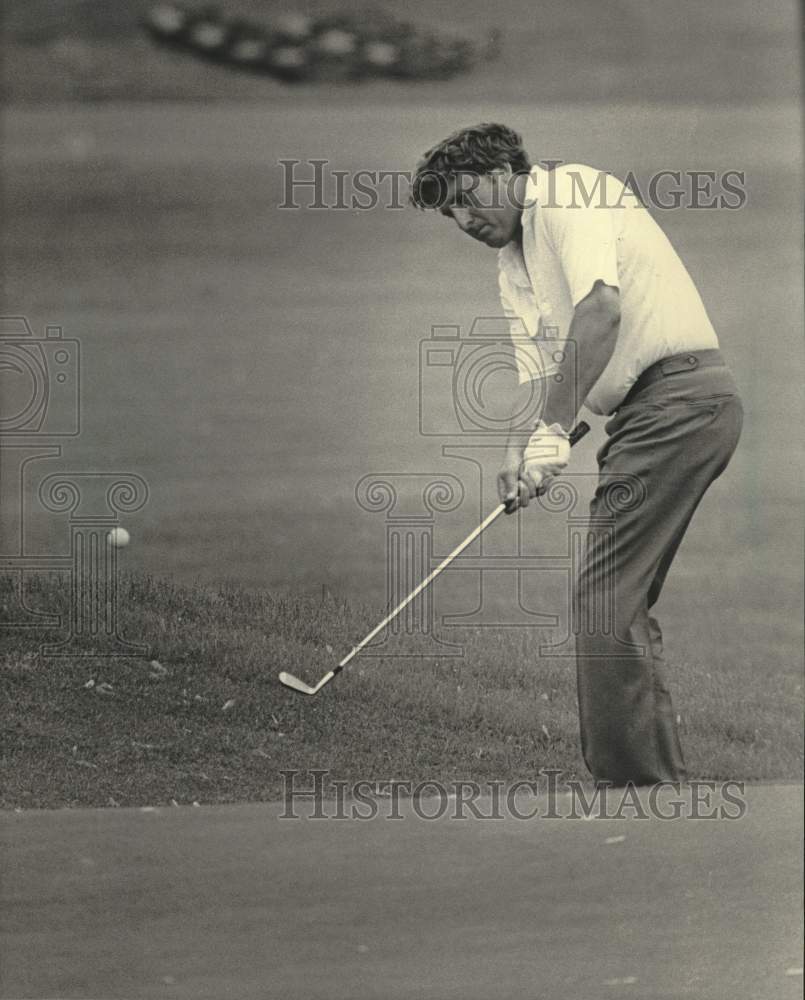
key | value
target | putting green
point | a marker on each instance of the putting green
(235, 902)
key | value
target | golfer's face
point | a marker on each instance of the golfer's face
(484, 207)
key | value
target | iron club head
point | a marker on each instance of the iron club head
(295, 684)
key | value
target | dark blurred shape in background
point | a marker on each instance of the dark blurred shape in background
(343, 46)
(726, 51)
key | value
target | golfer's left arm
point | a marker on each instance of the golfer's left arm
(584, 240)
(594, 331)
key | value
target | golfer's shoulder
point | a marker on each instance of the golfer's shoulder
(566, 174)
(571, 186)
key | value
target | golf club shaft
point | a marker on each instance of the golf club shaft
(575, 435)
(426, 582)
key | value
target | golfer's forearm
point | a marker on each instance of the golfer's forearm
(594, 331)
(594, 336)
(523, 419)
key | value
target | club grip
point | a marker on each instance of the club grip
(578, 432)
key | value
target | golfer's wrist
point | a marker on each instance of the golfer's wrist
(553, 429)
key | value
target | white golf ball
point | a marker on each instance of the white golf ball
(119, 537)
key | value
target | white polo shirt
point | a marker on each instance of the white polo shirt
(580, 226)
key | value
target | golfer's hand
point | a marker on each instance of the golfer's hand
(546, 455)
(515, 486)
(528, 473)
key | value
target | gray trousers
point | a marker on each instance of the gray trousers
(665, 447)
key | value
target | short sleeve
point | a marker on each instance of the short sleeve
(582, 232)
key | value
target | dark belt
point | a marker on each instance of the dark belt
(673, 365)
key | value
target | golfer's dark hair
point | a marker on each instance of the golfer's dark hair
(479, 149)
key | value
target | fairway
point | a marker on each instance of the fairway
(253, 364)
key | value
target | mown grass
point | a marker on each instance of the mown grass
(214, 725)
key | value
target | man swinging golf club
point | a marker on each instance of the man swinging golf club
(579, 255)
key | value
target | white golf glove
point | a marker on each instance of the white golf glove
(546, 454)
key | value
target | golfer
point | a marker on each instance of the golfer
(580, 260)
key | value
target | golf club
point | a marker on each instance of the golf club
(290, 681)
